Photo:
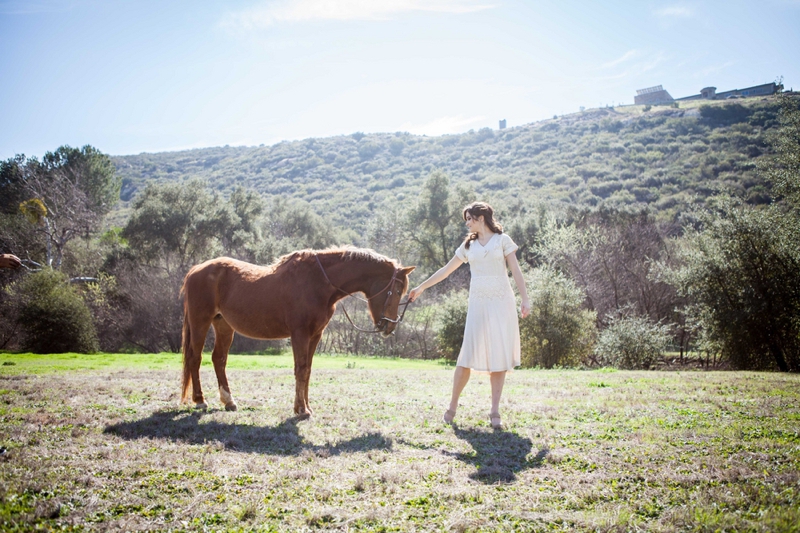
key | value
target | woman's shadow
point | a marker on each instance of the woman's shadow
(282, 439)
(498, 455)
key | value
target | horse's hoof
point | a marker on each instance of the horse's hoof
(303, 416)
(201, 406)
(231, 407)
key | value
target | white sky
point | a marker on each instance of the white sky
(133, 76)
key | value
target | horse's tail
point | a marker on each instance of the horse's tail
(186, 347)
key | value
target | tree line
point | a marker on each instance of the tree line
(610, 285)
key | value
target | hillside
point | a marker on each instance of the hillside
(663, 157)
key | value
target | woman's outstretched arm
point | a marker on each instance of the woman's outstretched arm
(513, 264)
(438, 276)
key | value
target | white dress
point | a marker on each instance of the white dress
(491, 334)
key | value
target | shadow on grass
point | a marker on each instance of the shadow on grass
(180, 425)
(499, 455)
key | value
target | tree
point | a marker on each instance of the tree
(527, 228)
(91, 171)
(386, 233)
(241, 236)
(63, 196)
(176, 225)
(741, 270)
(292, 225)
(12, 181)
(435, 224)
(612, 256)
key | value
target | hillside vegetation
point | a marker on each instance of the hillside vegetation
(664, 157)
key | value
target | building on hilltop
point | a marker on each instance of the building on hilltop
(503, 124)
(710, 93)
(707, 93)
(657, 95)
(653, 96)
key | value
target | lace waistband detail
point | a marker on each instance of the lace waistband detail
(490, 287)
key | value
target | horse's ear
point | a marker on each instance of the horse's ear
(407, 270)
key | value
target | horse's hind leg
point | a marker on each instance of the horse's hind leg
(222, 343)
(193, 356)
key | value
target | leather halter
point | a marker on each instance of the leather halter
(384, 318)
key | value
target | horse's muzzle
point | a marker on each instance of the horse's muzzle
(383, 327)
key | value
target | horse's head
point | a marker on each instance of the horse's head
(384, 300)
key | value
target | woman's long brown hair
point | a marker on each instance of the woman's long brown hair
(480, 209)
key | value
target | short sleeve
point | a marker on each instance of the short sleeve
(461, 253)
(509, 247)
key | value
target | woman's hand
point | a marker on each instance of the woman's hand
(525, 308)
(9, 261)
(414, 294)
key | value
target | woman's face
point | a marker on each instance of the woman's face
(473, 224)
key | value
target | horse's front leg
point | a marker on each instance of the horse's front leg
(302, 372)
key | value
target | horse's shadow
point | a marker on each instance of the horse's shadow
(498, 455)
(282, 439)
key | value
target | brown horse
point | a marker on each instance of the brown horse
(295, 297)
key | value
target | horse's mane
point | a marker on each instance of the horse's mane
(345, 253)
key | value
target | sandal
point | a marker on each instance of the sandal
(448, 416)
(494, 418)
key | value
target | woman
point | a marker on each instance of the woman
(491, 334)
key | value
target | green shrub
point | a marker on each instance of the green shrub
(452, 319)
(558, 332)
(53, 317)
(631, 342)
(742, 273)
(725, 115)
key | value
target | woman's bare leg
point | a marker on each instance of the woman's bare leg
(497, 379)
(460, 379)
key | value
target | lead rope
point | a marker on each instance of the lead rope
(344, 309)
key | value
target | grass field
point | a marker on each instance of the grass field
(98, 443)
